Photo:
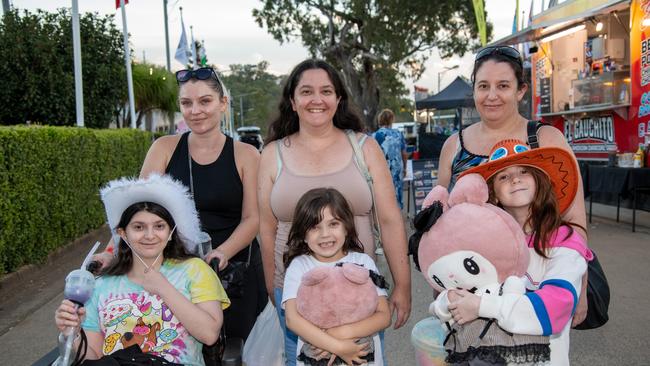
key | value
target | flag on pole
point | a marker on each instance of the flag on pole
(530, 21)
(117, 3)
(195, 58)
(420, 93)
(515, 21)
(182, 50)
(202, 56)
(480, 21)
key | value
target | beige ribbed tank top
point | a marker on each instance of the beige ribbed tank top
(290, 186)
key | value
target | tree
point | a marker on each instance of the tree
(373, 42)
(153, 88)
(255, 91)
(37, 66)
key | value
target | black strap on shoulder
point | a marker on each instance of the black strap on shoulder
(532, 128)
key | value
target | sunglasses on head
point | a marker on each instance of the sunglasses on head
(203, 73)
(509, 52)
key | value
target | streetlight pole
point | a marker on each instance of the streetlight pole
(446, 68)
(241, 110)
(5, 6)
(76, 54)
(127, 62)
(241, 106)
(169, 69)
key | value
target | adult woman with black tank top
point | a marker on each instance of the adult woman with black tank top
(499, 85)
(222, 176)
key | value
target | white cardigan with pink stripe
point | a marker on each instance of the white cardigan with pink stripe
(553, 286)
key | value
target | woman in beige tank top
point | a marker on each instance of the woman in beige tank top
(307, 147)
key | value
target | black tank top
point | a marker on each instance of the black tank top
(218, 191)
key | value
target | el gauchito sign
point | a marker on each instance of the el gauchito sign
(590, 134)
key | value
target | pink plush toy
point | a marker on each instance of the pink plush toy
(463, 242)
(339, 295)
(332, 296)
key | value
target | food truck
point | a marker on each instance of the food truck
(590, 73)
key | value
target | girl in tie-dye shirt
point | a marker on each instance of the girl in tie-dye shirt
(155, 294)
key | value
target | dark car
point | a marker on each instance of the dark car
(251, 135)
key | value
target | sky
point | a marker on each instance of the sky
(232, 37)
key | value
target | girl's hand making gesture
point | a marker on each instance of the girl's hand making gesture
(154, 282)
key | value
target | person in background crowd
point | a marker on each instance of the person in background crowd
(393, 144)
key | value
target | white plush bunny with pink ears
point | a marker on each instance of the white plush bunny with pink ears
(467, 243)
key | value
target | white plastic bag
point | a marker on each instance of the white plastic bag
(265, 344)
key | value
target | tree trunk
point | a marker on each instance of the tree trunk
(362, 85)
(170, 120)
(370, 94)
(138, 119)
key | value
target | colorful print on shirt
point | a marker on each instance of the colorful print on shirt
(126, 314)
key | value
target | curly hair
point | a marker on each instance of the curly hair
(286, 121)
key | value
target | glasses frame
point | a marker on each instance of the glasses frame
(203, 73)
(506, 51)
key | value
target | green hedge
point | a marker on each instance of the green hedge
(49, 185)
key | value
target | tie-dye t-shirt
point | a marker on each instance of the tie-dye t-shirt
(125, 314)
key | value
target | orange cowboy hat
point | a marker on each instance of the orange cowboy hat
(556, 163)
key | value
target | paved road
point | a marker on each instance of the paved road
(28, 300)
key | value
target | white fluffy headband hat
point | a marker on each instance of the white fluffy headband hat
(121, 193)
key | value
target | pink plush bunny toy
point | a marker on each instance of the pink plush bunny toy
(462, 242)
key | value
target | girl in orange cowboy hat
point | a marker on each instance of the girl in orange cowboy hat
(535, 187)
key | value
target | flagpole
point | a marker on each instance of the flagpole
(194, 63)
(76, 51)
(127, 61)
(169, 69)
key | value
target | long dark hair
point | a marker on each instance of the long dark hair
(309, 213)
(286, 122)
(544, 216)
(124, 261)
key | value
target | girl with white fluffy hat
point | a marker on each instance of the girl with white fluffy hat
(156, 295)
